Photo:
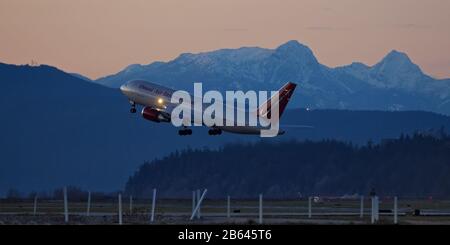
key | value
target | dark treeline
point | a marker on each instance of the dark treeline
(73, 194)
(410, 166)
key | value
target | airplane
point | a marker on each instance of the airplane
(156, 98)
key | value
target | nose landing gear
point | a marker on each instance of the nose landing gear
(133, 107)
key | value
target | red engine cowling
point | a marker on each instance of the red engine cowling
(153, 115)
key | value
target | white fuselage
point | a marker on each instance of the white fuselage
(159, 97)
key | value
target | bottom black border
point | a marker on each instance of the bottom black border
(171, 233)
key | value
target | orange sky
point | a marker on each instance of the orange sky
(100, 37)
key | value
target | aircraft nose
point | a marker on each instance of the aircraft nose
(123, 88)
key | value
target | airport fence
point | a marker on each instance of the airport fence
(200, 209)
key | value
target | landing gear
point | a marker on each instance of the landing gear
(133, 107)
(215, 131)
(184, 131)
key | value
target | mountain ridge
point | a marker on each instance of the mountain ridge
(394, 83)
(58, 130)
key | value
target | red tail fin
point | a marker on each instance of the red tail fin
(284, 94)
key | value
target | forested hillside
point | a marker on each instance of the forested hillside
(413, 166)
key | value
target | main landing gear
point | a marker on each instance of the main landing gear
(184, 131)
(215, 131)
(133, 107)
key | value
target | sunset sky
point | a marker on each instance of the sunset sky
(101, 37)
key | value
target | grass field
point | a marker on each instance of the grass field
(178, 211)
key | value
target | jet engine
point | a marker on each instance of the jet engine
(154, 115)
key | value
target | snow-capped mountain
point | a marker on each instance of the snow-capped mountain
(395, 83)
(396, 70)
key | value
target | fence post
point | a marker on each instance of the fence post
(66, 206)
(260, 208)
(131, 204)
(88, 210)
(228, 207)
(194, 203)
(120, 209)
(197, 207)
(375, 210)
(198, 200)
(361, 211)
(372, 211)
(395, 211)
(35, 205)
(153, 206)
(309, 207)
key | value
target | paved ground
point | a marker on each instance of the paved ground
(337, 212)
